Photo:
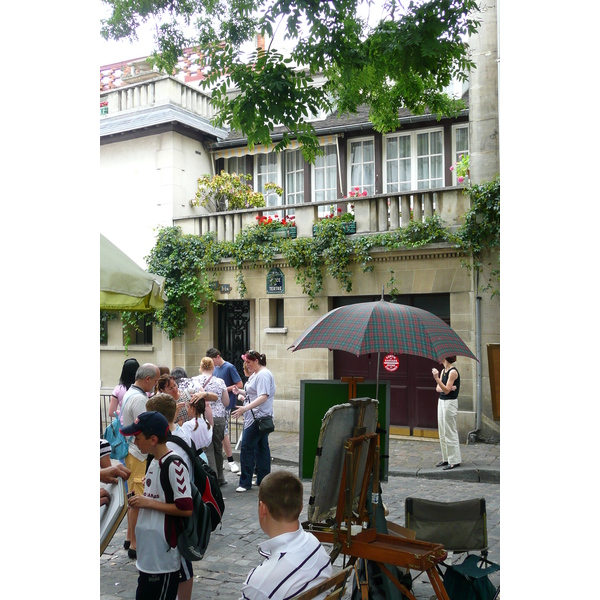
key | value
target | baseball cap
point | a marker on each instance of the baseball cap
(149, 423)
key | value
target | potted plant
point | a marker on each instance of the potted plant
(462, 168)
(226, 191)
(345, 218)
(285, 227)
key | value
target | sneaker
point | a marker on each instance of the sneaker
(241, 489)
(254, 479)
(233, 467)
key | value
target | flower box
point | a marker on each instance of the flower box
(286, 232)
(348, 227)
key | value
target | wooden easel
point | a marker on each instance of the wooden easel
(369, 544)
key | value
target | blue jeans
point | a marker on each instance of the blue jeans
(254, 447)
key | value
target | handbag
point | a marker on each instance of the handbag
(265, 424)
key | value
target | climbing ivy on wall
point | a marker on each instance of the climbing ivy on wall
(186, 261)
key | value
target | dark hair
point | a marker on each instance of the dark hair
(162, 382)
(178, 373)
(212, 353)
(199, 407)
(130, 366)
(160, 439)
(282, 493)
(164, 370)
(451, 359)
(261, 358)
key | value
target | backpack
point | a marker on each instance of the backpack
(119, 446)
(190, 535)
(205, 479)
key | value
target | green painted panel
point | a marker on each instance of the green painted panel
(317, 397)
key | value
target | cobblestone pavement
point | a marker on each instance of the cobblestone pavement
(233, 548)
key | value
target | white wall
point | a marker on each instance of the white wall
(144, 183)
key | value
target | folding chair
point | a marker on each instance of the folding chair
(337, 581)
(461, 527)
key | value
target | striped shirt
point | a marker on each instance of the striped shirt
(105, 448)
(294, 562)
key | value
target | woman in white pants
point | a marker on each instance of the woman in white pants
(448, 384)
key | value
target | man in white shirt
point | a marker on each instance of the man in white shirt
(294, 561)
(134, 403)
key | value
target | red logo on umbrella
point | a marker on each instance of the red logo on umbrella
(391, 362)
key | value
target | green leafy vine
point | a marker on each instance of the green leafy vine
(187, 261)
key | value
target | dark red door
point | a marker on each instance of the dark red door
(413, 399)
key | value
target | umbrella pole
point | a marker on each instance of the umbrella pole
(377, 384)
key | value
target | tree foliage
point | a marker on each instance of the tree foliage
(404, 61)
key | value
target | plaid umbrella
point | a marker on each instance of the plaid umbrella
(383, 327)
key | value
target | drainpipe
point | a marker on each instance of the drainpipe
(472, 435)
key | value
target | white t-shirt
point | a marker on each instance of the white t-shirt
(134, 403)
(261, 382)
(202, 436)
(154, 554)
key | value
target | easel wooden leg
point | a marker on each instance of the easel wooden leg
(395, 581)
(437, 584)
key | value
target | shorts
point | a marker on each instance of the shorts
(186, 571)
(157, 586)
(137, 467)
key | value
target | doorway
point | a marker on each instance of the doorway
(233, 332)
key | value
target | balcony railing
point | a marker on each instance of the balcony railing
(373, 214)
(157, 92)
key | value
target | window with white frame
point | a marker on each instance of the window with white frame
(460, 145)
(430, 160)
(294, 177)
(236, 165)
(362, 165)
(267, 172)
(325, 177)
(414, 160)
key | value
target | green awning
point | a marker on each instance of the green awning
(124, 285)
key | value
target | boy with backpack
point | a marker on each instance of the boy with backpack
(158, 559)
(183, 441)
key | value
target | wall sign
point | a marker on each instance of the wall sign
(275, 281)
(391, 363)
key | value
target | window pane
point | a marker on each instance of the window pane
(462, 140)
(392, 173)
(404, 146)
(436, 142)
(355, 152)
(391, 149)
(422, 144)
(422, 168)
(368, 152)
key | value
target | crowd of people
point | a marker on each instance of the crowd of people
(153, 404)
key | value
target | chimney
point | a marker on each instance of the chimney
(260, 42)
